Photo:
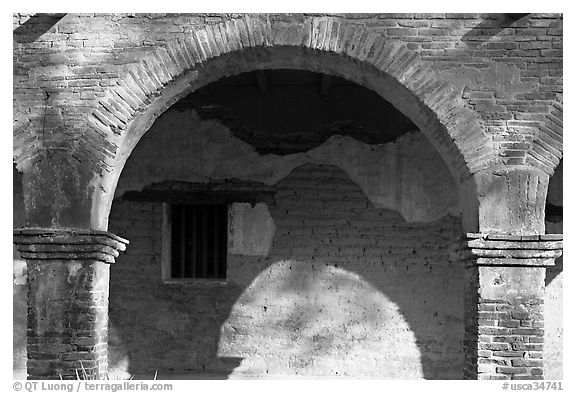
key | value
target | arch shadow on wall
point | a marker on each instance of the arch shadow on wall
(393, 296)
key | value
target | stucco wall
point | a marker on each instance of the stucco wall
(347, 289)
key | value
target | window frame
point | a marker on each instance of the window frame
(167, 249)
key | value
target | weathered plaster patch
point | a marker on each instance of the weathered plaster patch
(251, 229)
(407, 176)
(497, 282)
(498, 76)
(73, 269)
(553, 334)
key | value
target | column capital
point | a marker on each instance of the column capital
(478, 249)
(68, 244)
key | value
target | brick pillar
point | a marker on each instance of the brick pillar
(68, 277)
(504, 303)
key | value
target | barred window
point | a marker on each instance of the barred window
(195, 241)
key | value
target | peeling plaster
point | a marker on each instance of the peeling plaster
(501, 77)
(251, 229)
(407, 176)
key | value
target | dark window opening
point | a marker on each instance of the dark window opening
(199, 241)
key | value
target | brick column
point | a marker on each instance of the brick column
(68, 278)
(504, 303)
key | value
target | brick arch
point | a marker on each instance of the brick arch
(546, 150)
(324, 44)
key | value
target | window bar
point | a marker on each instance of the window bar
(175, 236)
(216, 262)
(205, 241)
(194, 250)
(224, 241)
(182, 242)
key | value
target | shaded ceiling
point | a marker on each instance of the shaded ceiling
(289, 111)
